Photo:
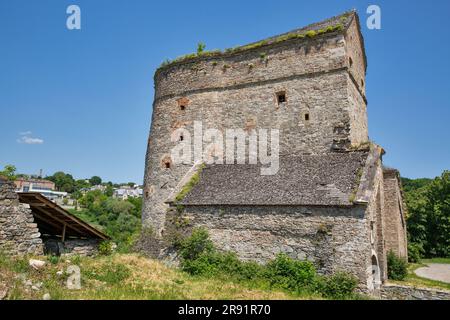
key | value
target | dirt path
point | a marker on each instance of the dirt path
(435, 271)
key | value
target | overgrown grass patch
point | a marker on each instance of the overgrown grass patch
(128, 277)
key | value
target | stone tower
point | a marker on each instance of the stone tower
(308, 83)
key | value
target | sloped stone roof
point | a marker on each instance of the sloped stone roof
(319, 180)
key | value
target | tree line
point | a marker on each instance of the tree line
(428, 216)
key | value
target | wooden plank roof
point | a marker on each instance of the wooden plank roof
(55, 220)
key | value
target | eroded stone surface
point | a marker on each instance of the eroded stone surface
(18, 232)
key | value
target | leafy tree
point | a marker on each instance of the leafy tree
(414, 184)
(95, 181)
(120, 219)
(109, 191)
(438, 217)
(81, 184)
(63, 182)
(428, 203)
(9, 172)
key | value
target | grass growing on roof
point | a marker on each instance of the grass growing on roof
(191, 183)
(202, 53)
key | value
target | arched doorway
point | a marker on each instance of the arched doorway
(376, 274)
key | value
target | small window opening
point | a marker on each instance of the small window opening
(281, 97)
(182, 107)
(167, 165)
(362, 83)
(181, 138)
(350, 61)
(306, 116)
(146, 194)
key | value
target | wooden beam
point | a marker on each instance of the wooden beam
(62, 223)
(38, 201)
(64, 233)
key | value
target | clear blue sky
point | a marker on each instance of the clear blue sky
(81, 101)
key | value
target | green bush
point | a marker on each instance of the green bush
(205, 264)
(340, 285)
(105, 248)
(397, 267)
(291, 274)
(415, 252)
(192, 247)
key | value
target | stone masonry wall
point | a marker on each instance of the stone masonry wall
(395, 233)
(18, 231)
(399, 292)
(333, 238)
(376, 223)
(356, 85)
(81, 247)
(239, 91)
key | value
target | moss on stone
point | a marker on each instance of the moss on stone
(352, 196)
(188, 186)
(279, 39)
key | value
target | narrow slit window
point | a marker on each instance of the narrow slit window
(350, 61)
(281, 97)
(181, 138)
(306, 116)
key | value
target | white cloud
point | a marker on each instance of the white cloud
(27, 139)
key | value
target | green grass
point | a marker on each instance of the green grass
(188, 186)
(436, 260)
(128, 277)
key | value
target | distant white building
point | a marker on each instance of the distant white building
(126, 192)
(100, 187)
(44, 187)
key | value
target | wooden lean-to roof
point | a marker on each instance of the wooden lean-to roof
(54, 220)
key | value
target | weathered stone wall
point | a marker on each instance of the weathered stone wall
(81, 247)
(287, 59)
(356, 57)
(18, 231)
(238, 91)
(376, 225)
(399, 292)
(395, 232)
(356, 63)
(333, 238)
(235, 109)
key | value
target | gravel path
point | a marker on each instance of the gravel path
(435, 271)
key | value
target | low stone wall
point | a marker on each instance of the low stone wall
(19, 233)
(334, 239)
(81, 247)
(399, 292)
